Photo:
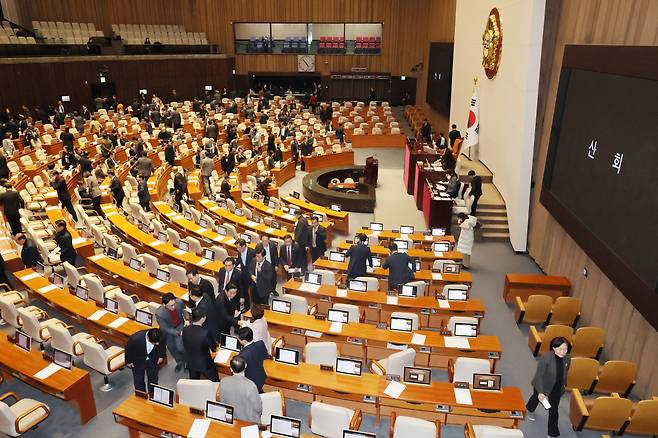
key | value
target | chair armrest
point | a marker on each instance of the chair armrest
(375, 364)
(519, 310)
(391, 427)
(437, 422)
(312, 310)
(134, 297)
(283, 402)
(41, 333)
(451, 369)
(6, 287)
(355, 422)
(5, 396)
(534, 340)
(578, 412)
(28, 413)
(111, 358)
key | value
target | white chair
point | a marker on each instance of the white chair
(174, 237)
(437, 265)
(98, 292)
(274, 403)
(105, 361)
(421, 287)
(194, 393)
(351, 309)
(454, 286)
(463, 319)
(37, 330)
(404, 427)
(177, 274)
(372, 282)
(408, 315)
(62, 339)
(151, 263)
(330, 421)
(395, 363)
(486, 431)
(23, 415)
(9, 305)
(298, 304)
(194, 245)
(129, 252)
(463, 368)
(220, 252)
(321, 353)
(327, 276)
(129, 304)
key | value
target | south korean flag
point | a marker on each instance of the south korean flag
(472, 137)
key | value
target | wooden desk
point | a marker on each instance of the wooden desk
(285, 173)
(378, 307)
(524, 285)
(426, 257)
(73, 386)
(411, 157)
(311, 163)
(420, 238)
(437, 210)
(425, 173)
(66, 302)
(339, 218)
(375, 141)
(368, 342)
(84, 247)
(366, 392)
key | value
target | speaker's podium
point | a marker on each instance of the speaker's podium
(372, 171)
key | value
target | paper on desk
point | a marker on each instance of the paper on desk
(429, 238)
(288, 216)
(250, 224)
(47, 372)
(199, 428)
(203, 262)
(312, 334)
(545, 403)
(391, 300)
(222, 356)
(250, 431)
(444, 304)
(180, 252)
(375, 233)
(230, 241)
(97, 257)
(269, 230)
(308, 287)
(438, 254)
(97, 315)
(436, 276)
(30, 276)
(341, 293)
(117, 322)
(394, 389)
(336, 327)
(370, 269)
(178, 216)
(156, 243)
(7, 251)
(200, 230)
(270, 210)
(463, 396)
(48, 288)
(78, 240)
(404, 236)
(158, 284)
(456, 342)
(418, 339)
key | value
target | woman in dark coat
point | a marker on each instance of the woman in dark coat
(64, 243)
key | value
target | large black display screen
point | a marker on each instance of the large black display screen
(601, 176)
(439, 77)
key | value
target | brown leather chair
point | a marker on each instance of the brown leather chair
(534, 311)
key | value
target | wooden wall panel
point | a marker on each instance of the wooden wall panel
(628, 335)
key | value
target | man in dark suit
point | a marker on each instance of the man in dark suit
(171, 320)
(29, 252)
(228, 163)
(397, 264)
(243, 261)
(318, 240)
(291, 255)
(340, 133)
(262, 275)
(302, 231)
(476, 190)
(229, 274)
(144, 353)
(272, 256)
(228, 308)
(426, 131)
(454, 134)
(207, 304)
(195, 280)
(358, 253)
(254, 353)
(198, 344)
(11, 202)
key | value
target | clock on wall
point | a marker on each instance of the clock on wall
(305, 63)
(492, 44)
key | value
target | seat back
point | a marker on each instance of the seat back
(644, 420)
(462, 319)
(273, 404)
(321, 353)
(465, 367)
(174, 237)
(61, 338)
(565, 311)
(297, 304)
(94, 356)
(421, 287)
(31, 325)
(194, 393)
(151, 263)
(95, 289)
(412, 316)
(9, 312)
(126, 303)
(582, 373)
(328, 420)
(553, 331)
(220, 252)
(72, 275)
(351, 309)
(609, 413)
(177, 274)
(405, 427)
(616, 376)
(372, 283)
(587, 342)
(328, 277)
(7, 420)
(395, 363)
(537, 308)
(128, 251)
(195, 245)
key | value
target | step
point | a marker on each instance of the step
(487, 219)
(502, 237)
(499, 226)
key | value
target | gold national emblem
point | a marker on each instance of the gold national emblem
(492, 44)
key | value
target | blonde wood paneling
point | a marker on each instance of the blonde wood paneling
(628, 335)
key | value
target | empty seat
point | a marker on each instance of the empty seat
(463, 368)
(195, 393)
(274, 403)
(20, 417)
(395, 363)
(588, 342)
(321, 353)
(566, 311)
(603, 413)
(405, 427)
(644, 419)
(534, 311)
(351, 309)
(407, 315)
(330, 421)
(105, 361)
(616, 376)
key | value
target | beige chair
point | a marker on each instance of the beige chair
(372, 283)
(582, 374)
(321, 353)
(421, 287)
(487, 431)
(195, 393)
(616, 376)
(463, 368)
(534, 311)
(177, 274)
(604, 413)
(98, 292)
(62, 339)
(327, 277)
(461, 319)
(129, 304)
(37, 330)
(406, 427)
(330, 421)
(105, 361)
(9, 305)
(25, 414)
(298, 304)
(354, 314)
(274, 403)
(588, 342)
(395, 363)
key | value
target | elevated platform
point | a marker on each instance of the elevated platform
(315, 189)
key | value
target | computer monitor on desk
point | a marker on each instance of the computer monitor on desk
(335, 315)
(281, 306)
(162, 236)
(285, 426)
(376, 226)
(421, 376)
(313, 278)
(62, 359)
(229, 342)
(348, 366)
(401, 324)
(406, 229)
(208, 254)
(403, 245)
(183, 245)
(438, 231)
(112, 253)
(58, 281)
(162, 275)
(454, 294)
(111, 305)
(135, 264)
(335, 256)
(23, 340)
(219, 412)
(81, 292)
(40, 268)
(408, 290)
(144, 317)
(441, 246)
(286, 355)
(357, 285)
(161, 395)
(487, 382)
(376, 262)
(356, 434)
(465, 329)
(451, 268)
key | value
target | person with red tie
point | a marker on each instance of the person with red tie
(292, 255)
(230, 274)
(262, 273)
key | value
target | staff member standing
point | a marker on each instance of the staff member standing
(358, 253)
(397, 264)
(198, 344)
(318, 239)
(171, 320)
(144, 354)
(64, 242)
(549, 381)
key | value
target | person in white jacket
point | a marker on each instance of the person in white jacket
(258, 324)
(467, 224)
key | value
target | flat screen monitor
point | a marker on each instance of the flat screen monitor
(219, 411)
(208, 87)
(229, 342)
(401, 324)
(408, 290)
(357, 285)
(451, 268)
(281, 306)
(271, 204)
(203, 222)
(403, 245)
(335, 207)
(295, 195)
(162, 275)
(208, 254)
(256, 218)
(111, 305)
(356, 434)
(465, 329)
(275, 225)
(292, 210)
(376, 226)
(406, 229)
(162, 236)
(143, 91)
(246, 237)
(66, 98)
(488, 382)
(418, 266)
(144, 227)
(135, 264)
(58, 281)
(422, 376)
(376, 262)
(81, 292)
(112, 253)
(183, 245)
(286, 355)
(312, 278)
(438, 231)
(62, 359)
(23, 340)
(348, 366)
(221, 231)
(40, 268)
(441, 246)
(285, 426)
(335, 315)
(238, 212)
(176, 208)
(336, 256)
(144, 317)
(161, 395)
(454, 294)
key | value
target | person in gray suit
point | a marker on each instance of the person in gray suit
(548, 383)
(171, 320)
(359, 254)
(397, 264)
(241, 393)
